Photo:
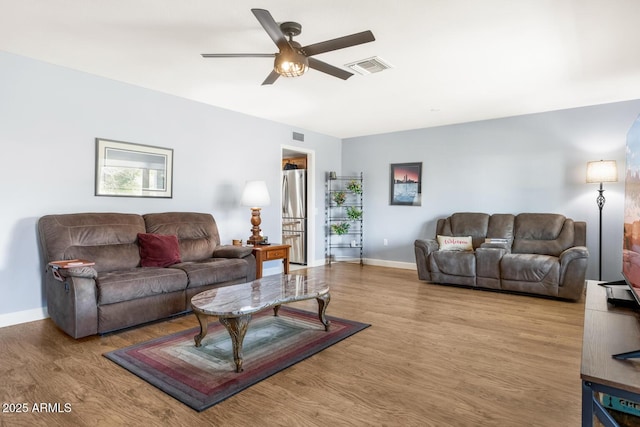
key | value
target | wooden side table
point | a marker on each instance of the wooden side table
(270, 253)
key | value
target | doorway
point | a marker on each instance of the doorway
(297, 200)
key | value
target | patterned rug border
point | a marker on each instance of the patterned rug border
(129, 359)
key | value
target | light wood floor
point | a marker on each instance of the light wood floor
(434, 356)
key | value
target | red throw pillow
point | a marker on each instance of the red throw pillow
(158, 250)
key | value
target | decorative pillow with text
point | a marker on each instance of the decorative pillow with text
(454, 243)
(158, 250)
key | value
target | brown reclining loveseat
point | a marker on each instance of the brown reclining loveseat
(533, 253)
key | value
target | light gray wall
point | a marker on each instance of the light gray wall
(49, 118)
(531, 163)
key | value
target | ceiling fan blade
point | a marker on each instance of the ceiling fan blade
(271, 27)
(238, 55)
(329, 69)
(339, 43)
(271, 78)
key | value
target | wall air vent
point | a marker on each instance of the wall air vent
(369, 66)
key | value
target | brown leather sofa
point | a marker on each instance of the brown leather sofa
(532, 253)
(117, 292)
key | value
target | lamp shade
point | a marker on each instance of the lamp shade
(602, 171)
(255, 194)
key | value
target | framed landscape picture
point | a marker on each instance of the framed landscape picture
(406, 184)
(133, 170)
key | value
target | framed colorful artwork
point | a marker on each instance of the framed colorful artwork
(406, 184)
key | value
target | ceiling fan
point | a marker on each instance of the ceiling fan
(293, 59)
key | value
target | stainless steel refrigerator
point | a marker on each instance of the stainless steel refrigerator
(294, 214)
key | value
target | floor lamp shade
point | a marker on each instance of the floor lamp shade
(602, 171)
(255, 195)
(598, 172)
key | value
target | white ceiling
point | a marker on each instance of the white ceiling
(454, 60)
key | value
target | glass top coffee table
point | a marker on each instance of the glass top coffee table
(233, 305)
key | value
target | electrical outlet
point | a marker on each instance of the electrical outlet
(385, 242)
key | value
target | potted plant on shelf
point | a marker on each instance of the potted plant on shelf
(354, 213)
(355, 186)
(339, 198)
(340, 228)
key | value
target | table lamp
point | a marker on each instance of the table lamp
(256, 196)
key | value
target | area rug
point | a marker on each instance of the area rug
(202, 376)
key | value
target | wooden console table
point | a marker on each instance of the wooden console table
(270, 253)
(607, 331)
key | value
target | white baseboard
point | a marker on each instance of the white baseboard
(392, 264)
(370, 261)
(25, 316)
(316, 263)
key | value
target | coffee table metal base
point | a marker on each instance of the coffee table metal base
(237, 326)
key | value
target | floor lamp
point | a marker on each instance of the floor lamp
(598, 172)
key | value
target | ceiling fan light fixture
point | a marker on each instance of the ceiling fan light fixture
(292, 59)
(290, 64)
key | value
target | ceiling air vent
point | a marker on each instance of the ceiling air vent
(369, 65)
